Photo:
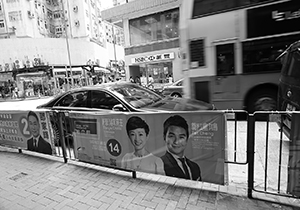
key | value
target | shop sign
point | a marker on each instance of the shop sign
(273, 19)
(152, 58)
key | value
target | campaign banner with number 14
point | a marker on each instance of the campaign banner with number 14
(188, 145)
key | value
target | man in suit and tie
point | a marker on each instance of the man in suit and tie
(176, 164)
(36, 142)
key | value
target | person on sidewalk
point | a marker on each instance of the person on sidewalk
(36, 143)
(141, 159)
(176, 164)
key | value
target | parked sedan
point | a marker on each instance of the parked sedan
(175, 89)
(118, 96)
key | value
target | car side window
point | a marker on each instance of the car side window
(179, 83)
(75, 99)
(102, 100)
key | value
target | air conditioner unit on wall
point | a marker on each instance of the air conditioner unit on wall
(30, 14)
(75, 8)
(77, 23)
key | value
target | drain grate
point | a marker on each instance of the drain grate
(18, 176)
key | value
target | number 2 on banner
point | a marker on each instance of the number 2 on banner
(113, 147)
(24, 127)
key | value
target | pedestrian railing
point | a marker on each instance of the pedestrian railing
(255, 140)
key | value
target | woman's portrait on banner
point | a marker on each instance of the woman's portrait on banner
(140, 159)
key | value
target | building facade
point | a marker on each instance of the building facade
(47, 30)
(151, 32)
(119, 2)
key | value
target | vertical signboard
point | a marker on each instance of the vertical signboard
(26, 130)
(183, 145)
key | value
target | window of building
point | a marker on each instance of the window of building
(155, 27)
(159, 71)
(58, 30)
(0, 7)
(52, 28)
(43, 9)
(15, 16)
(87, 13)
(46, 25)
(56, 15)
(2, 25)
(197, 53)
(203, 7)
(49, 14)
(225, 59)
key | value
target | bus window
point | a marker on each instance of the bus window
(260, 55)
(204, 7)
(225, 59)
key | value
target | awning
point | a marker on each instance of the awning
(101, 69)
(32, 74)
(74, 69)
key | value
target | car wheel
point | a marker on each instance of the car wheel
(176, 95)
(262, 100)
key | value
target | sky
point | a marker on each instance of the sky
(106, 4)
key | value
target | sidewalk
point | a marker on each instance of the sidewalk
(35, 181)
(22, 99)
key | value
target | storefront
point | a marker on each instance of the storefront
(159, 65)
(33, 84)
(6, 79)
(63, 78)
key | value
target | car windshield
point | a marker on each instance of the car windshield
(137, 96)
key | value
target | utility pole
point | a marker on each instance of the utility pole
(67, 41)
(114, 45)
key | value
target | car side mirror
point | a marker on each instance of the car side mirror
(119, 107)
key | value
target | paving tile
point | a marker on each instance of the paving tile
(161, 206)
(55, 185)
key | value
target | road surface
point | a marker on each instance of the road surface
(27, 104)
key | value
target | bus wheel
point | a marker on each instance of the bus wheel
(262, 100)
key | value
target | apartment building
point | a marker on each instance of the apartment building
(119, 2)
(47, 31)
(151, 32)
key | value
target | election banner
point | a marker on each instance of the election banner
(26, 130)
(294, 156)
(188, 145)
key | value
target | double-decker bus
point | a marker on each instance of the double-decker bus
(229, 50)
